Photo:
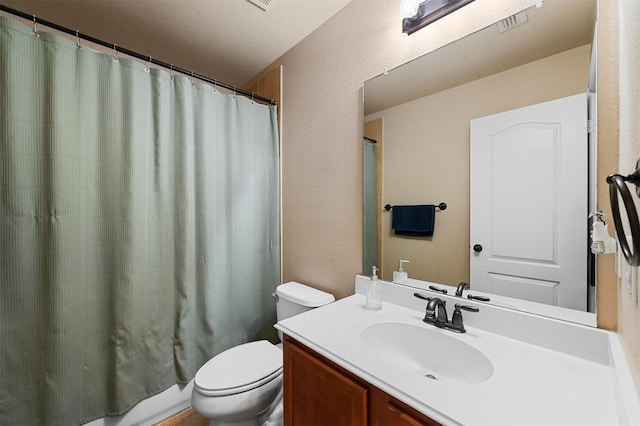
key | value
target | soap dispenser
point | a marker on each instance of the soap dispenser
(601, 242)
(400, 276)
(374, 296)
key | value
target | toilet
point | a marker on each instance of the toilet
(243, 385)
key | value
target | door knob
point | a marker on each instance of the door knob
(477, 248)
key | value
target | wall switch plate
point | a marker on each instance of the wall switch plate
(619, 261)
(634, 284)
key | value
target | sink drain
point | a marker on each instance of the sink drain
(425, 373)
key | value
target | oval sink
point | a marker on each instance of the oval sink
(426, 352)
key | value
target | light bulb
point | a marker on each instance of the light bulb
(409, 8)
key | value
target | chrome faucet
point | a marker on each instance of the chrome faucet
(461, 287)
(436, 313)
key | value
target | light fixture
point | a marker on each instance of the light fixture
(409, 8)
(419, 13)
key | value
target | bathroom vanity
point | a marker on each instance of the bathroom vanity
(318, 391)
(346, 365)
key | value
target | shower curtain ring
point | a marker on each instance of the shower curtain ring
(234, 92)
(146, 68)
(78, 40)
(192, 82)
(35, 32)
(115, 54)
(171, 72)
(214, 86)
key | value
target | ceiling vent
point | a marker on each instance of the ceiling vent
(262, 4)
(512, 21)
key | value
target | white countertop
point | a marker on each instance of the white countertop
(530, 385)
(571, 315)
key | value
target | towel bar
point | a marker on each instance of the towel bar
(617, 184)
(441, 206)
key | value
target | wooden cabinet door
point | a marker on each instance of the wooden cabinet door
(317, 394)
(396, 416)
(385, 410)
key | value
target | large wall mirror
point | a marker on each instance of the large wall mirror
(423, 121)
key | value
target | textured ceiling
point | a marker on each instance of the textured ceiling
(229, 40)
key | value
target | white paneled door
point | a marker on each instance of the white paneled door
(529, 187)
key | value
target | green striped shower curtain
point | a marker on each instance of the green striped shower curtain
(139, 228)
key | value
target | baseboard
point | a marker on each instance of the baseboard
(154, 409)
(186, 417)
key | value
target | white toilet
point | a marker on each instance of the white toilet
(243, 385)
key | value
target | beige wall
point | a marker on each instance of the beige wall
(323, 122)
(322, 136)
(426, 156)
(629, 89)
(607, 131)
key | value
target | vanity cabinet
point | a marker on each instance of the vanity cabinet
(319, 392)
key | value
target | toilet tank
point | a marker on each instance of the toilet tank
(293, 298)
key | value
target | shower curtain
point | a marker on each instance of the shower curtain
(139, 231)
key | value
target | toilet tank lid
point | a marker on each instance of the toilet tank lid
(304, 295)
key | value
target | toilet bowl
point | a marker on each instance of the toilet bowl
(243, 385)
(239, 384)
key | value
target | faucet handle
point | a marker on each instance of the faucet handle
(457, 324)
(480, 298)
(422, 296)
(438, 289)
(467, 308)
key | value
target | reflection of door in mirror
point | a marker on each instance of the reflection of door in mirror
(371, 196)
(426, 156)
(529, 187)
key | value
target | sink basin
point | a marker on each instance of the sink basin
(427, 352)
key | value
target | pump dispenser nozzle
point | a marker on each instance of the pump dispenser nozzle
(374, 296)
(400, 276)
(601, 242)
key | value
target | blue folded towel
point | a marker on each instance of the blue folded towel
(414, 221)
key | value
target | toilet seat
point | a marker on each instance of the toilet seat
(239, 369)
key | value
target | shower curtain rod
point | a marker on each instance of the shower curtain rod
(137, 55)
